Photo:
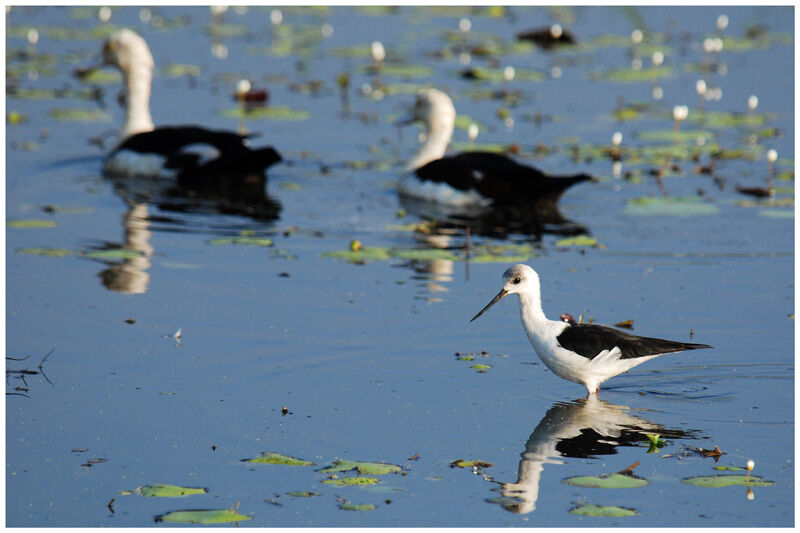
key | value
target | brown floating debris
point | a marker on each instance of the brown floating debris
(628, 324)
(715, 453)
(414, 457)
(758, 192)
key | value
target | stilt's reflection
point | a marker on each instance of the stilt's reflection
(581, 429)
(130, 276)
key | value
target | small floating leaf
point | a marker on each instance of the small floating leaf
(348, 506)
(580, 240)
(247, 241)
(27, 224)
(272, 458)
(602, 510)
(302, 494)
(480, 366)
(625, 75)
(726, 481)
(176, 70)
(366, 253)
(266, 113)
(116, 253)
(348, 481)
(80, 115)
(369, 469)
(776, 213)
(734, 468)
(168, 491)
(461, 463)
(669, 206)
(400, 70)
(47, 252)
(101, 76)
(613, 481)
(430, 254)
(203, 516)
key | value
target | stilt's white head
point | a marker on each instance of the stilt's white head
(126, 50)
(518, 279)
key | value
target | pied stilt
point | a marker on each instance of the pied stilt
(584, 353)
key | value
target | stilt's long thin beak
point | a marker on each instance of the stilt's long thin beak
(500, 296)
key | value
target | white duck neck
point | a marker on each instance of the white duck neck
(438, 134)
(137, 118)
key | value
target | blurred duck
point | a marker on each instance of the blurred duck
(469, 179)
(145, 150)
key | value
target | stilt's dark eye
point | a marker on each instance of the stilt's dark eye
(515, 281)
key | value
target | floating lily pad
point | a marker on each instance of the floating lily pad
(682, 136)
(31, 223)
(727, 481)
(466, 357)
(302, 494)
(612, 481)
(166, 491)
(366, 253)
(242, 240)
(429, 254)
(626, 75)
(47, 252)
(498, 76)
(481, 366)
(116, 253)
(348, 481)
(463, 122)
(369, 469)
(400, 70)
(176, 70)
(80, 115)
(203, 516)
(669, 206)
(272, 458)
(349, 506)
(461, 463)
(733, 468)
(67, 210)
(776, 213)
(602, 510)
(266, 113)
(580, 240)
(101, 76)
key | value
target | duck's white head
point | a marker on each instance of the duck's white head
(434, 109)
(127, 51)
(518, 279)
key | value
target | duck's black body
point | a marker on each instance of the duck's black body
(589, 340)
(170, 142)
(498, 178)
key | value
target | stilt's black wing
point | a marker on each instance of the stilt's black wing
(588, 340)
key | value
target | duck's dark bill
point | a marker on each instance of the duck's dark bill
(496, 299)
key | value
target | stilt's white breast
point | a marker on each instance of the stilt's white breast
(130, 163)
(440, 192)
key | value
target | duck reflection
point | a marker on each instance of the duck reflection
(239, 194)
(497, 221)
(581, 429)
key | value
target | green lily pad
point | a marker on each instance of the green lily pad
(80, 115)
(369, 469)
(400, 70)
(67, 210)
(177, 70)
(100, 76)
(203, 516)
(47, 252)
(367, 253)
(466, 358)
(429, 254)
(496, 148)
(481, 366)
(626, 75)
(726, 481)
(682, 136)
(612, 481)
(669, 206)
(242, 240)
(272, 458)
(166, 491)
(580, 240)
(776, 213)
(496, 75)
(116, 253)
(348, 506)
(602, 510)
(31, 223)
(733, 468)
(302, 494)
(266, 113)
(349, 481)
(461, 463)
